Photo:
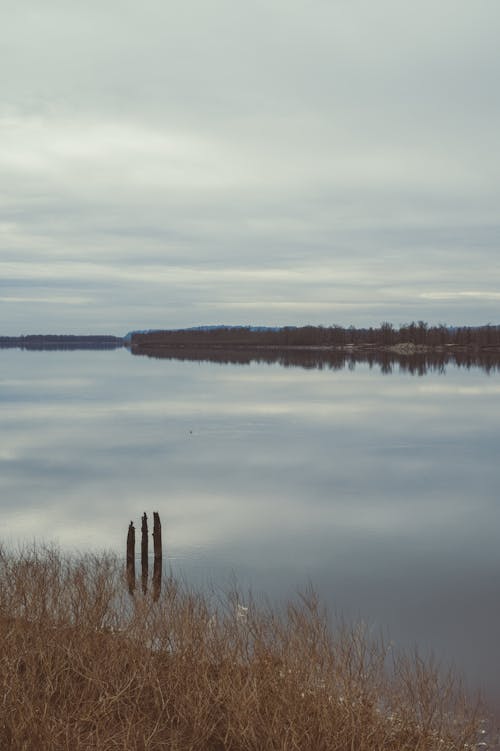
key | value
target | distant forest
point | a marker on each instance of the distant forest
(417, 336)
(60, 342)
(238, 343)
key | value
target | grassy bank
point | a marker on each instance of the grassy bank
(83, 666)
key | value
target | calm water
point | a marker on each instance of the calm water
(383, 490)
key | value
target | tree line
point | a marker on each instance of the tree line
(60, 341)
(418, 334)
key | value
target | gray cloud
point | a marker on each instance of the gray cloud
(172, 164)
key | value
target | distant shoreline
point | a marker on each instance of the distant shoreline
(408, 340)
(403, 348)
(61, 341)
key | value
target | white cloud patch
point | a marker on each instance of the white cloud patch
(472, 294)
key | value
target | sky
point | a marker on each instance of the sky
(167, 164)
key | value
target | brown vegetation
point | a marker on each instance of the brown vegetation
(84, 666)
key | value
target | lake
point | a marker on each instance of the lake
(380, 488)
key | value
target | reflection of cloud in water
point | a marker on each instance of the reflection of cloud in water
(382, 490)
(308, 410)
(444, 389)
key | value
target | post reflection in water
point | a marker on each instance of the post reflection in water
(379, 487)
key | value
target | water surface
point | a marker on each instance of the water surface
(379, 488)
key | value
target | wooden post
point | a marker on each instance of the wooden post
(144, 553)
(158, 556)
(131, 558)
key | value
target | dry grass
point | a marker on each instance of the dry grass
(83, 666)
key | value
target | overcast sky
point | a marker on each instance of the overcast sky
(171, 163)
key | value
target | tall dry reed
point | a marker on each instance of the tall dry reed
(84, 667)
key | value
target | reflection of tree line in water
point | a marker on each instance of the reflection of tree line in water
(416, 363)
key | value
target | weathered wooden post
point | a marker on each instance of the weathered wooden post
(131, 558)
(157, 556)
(144, 553)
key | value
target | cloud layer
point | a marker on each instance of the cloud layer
(169, 164)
